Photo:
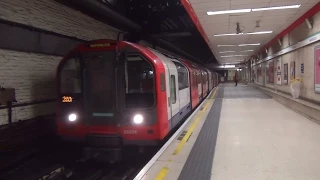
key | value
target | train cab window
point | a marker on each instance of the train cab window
(183, 79)
(99, 80)
(173, 89)
(70, 76)
(139, 82)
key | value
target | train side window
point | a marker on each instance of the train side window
(139, 82)
(199, 78)
(70, 76)
(162, 82)
(183, 80)
(173, 89)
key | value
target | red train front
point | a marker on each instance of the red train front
(115, 93)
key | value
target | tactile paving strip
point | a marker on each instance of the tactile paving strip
(199, 163)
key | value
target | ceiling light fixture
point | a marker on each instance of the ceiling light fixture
(229, 66)
(246, 51)
(229, 11)
(232, 34)
(253, 10)
(226, 51)
(226, 45)
(261, 32)
(250, 33)
(277, 7)
(257, 44)
(241, 55)
(228, 56)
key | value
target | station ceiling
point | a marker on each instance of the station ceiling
(160, 19)
(235, 36)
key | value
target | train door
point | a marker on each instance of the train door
(199, 84)
(172, 90)
(173, 99)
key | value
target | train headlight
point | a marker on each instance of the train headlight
(72, 117)
(138, 119)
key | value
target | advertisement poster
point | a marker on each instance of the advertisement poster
(271, 72)
(292, 70)
(279, 72)
(317, 69)
(285, 73)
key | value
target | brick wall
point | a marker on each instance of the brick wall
(33, 75)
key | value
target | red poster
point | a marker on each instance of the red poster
(317, 69)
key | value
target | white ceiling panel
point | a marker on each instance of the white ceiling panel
(272, 20)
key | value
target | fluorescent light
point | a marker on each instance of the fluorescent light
(246, 51)
(229, 66)
(232, 34)
(261, 32)
(241, 55)
(257, 44)
(277, 7)
(226, 51)
(225, 45)
(255, 9)
(250, 33)
(229, 11)
(227, 56)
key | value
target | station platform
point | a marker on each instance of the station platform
(239, 133)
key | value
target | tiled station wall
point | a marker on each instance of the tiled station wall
(304, 55)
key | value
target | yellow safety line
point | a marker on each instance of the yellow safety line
(214, 93)
(191, 128)
(162, 173)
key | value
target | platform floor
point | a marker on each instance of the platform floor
(242, 134)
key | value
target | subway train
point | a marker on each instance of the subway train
(116, 93)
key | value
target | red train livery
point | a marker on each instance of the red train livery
(116, 93)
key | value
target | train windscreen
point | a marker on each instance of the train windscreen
(70, 76)
(140, 91)
(99, 80)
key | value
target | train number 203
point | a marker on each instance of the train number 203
(66, 99)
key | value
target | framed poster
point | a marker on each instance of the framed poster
(317, 69)
(279, 72)
(292, 70)
(285, 73)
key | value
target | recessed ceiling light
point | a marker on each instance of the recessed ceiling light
(225, 45)
(241, 55)
(257, 44)
(229, 11)
(226, 51)
(250, 33)
(277, 7)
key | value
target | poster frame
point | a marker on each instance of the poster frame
(278, 60)
(285, 72)
(315, 70)
(294, 70)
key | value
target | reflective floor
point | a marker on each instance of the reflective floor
(259, 139)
